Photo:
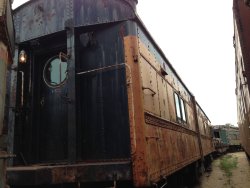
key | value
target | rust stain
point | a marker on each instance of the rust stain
(154, 129)
(64, 175)
(136, 113)
(3, 53)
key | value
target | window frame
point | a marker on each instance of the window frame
(180, 108)
(46, 67)
(177, 106)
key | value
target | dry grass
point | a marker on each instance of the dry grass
(227, 164)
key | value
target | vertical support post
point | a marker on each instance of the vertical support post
(11, 91)
(71, 93)
(2, 169)
(136, 112)
(197, 127)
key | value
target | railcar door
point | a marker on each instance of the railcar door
(50, 100)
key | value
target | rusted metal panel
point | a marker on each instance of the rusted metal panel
(3, 164)
(43, 17)
(151, 52)
(207, 145)
(92, 12)
(163, 96)
(104, 119)
(205, 132)
(149, 87)
(190, 116)
(3, 72)
(156, 64)
(170, 147)
(57, 174)
(171, 104)
(2, 170)
(72, 140)
(6, 26)
(136, 114)
(11, 102)
(196, 118)
(10, 28)
(181, 143)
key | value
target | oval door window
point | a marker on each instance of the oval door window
(55, 72)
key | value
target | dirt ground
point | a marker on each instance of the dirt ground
(216, 178)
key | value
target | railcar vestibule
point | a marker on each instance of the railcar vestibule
(42, 130)
(97, 100)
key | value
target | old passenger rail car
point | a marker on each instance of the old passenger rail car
(97, 100)
(242, 69)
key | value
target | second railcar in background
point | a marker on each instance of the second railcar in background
(98, 101)
(227, 138)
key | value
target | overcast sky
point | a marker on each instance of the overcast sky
(196, 37)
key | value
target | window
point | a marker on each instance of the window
(180, 108)
(55, 72)
(183, 113)
(216, 134)
(205, 127)
(177, 106)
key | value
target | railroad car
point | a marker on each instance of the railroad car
(234, 139)
(97, 101)
(228, 136)
(220, 140)
(6, 52)
(241, 42)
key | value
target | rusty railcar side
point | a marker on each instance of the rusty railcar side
(242, 69)
(161, 141)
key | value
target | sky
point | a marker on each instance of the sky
(197, 38)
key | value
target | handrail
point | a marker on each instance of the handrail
(153, 92)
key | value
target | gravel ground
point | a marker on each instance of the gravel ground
(216, 178)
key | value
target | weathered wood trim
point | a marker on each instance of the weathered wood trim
(173, 168)
(159, 122)
(70, 173)
(197, 127)
(206, 137)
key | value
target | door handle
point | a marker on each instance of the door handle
(42, 101)
(22, 88)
